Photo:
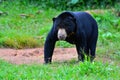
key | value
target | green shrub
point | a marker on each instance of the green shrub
(21, 42)
(67, 4)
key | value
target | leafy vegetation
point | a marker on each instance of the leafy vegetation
(60, 71)
(25, 24)
(68, 4)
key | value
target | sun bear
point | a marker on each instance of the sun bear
(78, 28)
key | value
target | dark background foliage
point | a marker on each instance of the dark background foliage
(69, 4)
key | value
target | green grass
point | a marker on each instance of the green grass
(60, 71)
(18, 31)
(30, 31)
(33, 26)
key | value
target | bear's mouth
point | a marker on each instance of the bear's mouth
(62, 34)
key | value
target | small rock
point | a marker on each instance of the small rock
(1, 12)
(14, 54)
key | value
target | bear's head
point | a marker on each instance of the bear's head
(64, 24)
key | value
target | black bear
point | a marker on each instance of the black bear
(78, 28)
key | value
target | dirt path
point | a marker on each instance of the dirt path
(36, 56)
(29, 56)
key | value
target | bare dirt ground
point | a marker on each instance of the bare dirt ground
(36, 56)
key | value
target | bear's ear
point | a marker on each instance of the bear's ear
(53, 19)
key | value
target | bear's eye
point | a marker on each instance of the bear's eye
(58, 27)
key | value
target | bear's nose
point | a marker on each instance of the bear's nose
(61, 37)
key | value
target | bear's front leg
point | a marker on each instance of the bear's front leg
(48, 49)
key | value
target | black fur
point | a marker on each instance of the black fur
(82, 30)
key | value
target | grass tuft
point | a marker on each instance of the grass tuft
(60, 71)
